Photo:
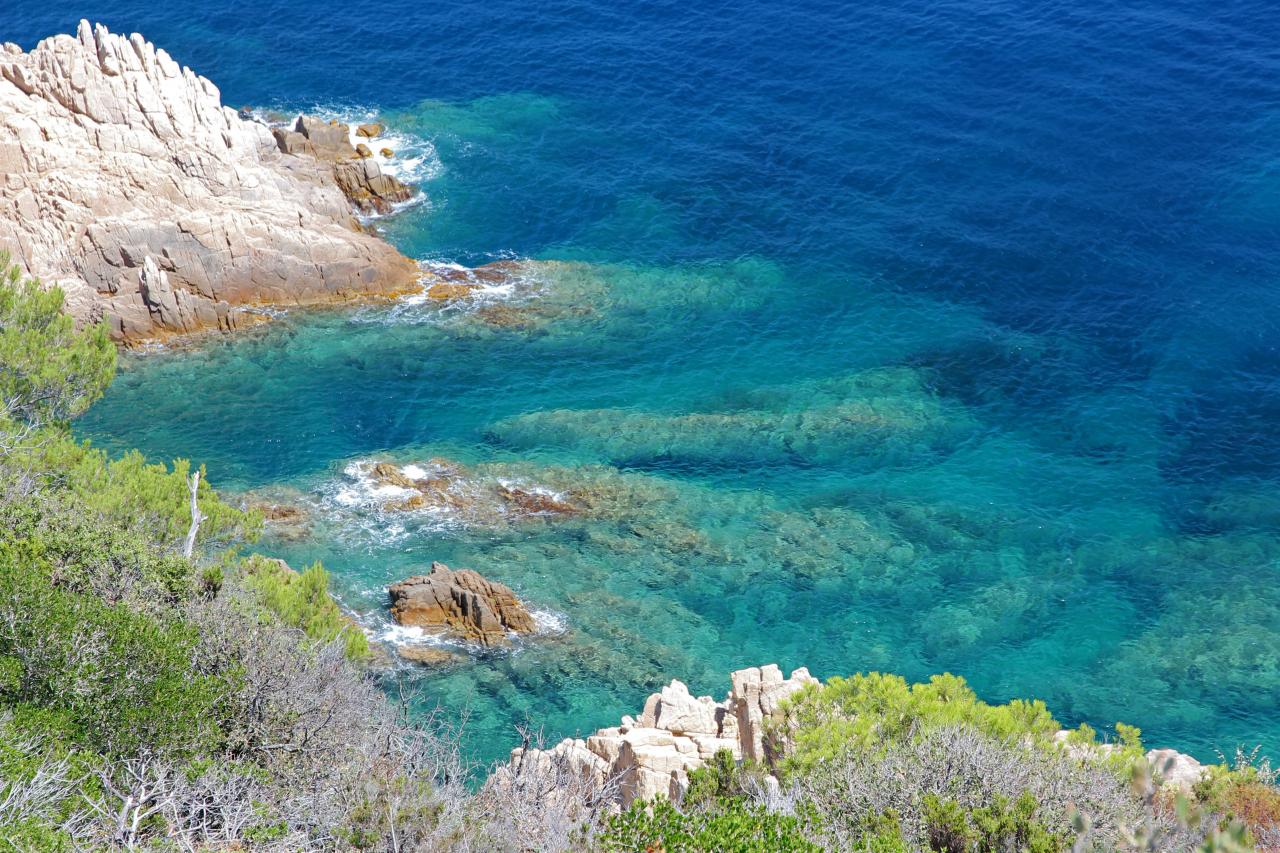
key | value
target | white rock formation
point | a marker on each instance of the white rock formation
(1175, 769)
(125, 181)
(676, 732)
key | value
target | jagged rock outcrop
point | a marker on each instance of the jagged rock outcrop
(461, 602)
(125, 181)
(358, 175)
(676, 732)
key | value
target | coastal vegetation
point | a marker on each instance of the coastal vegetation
(153, 699)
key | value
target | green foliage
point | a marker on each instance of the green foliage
(151, 498)
(883, 834)
(120, 680)
(734, 829)
(1000, 825)
(720, 781)
(49, 372)
(868, 712)
(303, 601)
(86, 553)
(34, 836)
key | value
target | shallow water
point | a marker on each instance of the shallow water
(864, 338)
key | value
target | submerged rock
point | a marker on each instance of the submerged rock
(446, 283)
(468, 496)
(449, 290)
(460, 602)
(288, 521)
(538, 503)
(427, 655)
(130, 186)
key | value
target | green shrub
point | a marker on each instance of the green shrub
(148, 497)
(736, 828)
(34, 836)
(49, 372)
(870, 712)
(720, 781)
(302, 600)
(882, 833)
(122, 680)
(83, 552)
(999, 825)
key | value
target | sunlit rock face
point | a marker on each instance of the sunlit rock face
(126, 182)
(651, 756)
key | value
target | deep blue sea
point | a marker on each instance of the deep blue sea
(910, 337)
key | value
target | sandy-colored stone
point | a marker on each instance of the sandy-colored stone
(127, 183)
(460, 602)
(369, 131)
(757, 693)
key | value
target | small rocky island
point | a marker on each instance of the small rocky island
(461, 603)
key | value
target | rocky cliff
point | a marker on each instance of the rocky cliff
(125, 181)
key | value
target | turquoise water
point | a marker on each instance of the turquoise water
(864, 338)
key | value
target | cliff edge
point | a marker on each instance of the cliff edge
(126, 182)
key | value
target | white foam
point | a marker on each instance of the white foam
(549, 622)
(417, 308)
(414, 159)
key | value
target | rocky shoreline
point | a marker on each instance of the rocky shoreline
(126, 182)
(651, 755)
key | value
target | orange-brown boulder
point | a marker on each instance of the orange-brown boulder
(461, 602)
(390, 475)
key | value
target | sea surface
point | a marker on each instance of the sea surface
(912, 337)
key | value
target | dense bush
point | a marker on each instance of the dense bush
(873, 711)
(49, 372)
(732, 828)
(956, 782)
